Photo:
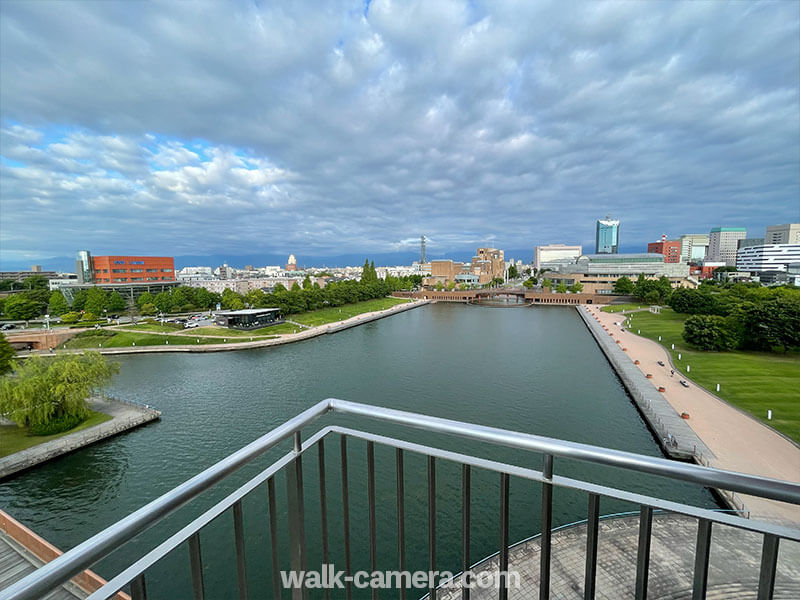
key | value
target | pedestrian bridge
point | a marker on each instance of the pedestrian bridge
(551, 564)
(511, 295)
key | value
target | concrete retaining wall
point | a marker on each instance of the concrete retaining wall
(674, 435)
(126, 415)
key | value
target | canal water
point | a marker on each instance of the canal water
(535, 370)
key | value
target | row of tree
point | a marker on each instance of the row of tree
(652, 291)
(740, 316)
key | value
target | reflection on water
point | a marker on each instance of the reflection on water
(535, 370)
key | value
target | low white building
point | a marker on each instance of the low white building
(555, 253)
(769, 257)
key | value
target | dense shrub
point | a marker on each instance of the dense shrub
(58, 425)
(708, 332)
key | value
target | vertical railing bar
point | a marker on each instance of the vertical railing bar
(465, 523)
(503, 583)
(196, 564)
(373, 548)
(432, 524)
(769, 562)
(273, 537)
(643, 553)
(346, 517)
(323, 507)
(592, 530)
(401, 518)
(138, 588)
(296, 509)
(547, 526)
(238, 534)
(701, 559)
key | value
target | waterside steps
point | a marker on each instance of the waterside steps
(665, 549)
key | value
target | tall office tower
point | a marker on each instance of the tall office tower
(422, 250)
(607, 238)
(83, 267)
(783, 234)
(723, 243)
(694, 247)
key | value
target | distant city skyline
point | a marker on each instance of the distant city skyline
(501, 125)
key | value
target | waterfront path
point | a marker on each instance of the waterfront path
(124, 416)
(733, 570)
(738, 441)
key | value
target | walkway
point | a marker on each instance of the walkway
(16, 563)
(733, 563)
(738, 441)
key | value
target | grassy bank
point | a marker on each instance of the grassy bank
(753, 381)
(324, 316)
(16, 438)
(124, 339)
(615, 308)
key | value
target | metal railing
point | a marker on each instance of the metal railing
(101, 544)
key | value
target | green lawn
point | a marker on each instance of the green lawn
(331, 315)
(224, 331)
(16, 438)
(752, 381)
(613, 308)
(127, 338)
(155, 327)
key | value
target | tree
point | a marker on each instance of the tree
(451, 285)
(116, 303)
(35, 282)
(307, 283)
(145, 298)
(439, 286)
(547, 283)
(79, 300)
(58, 304)
(163, 302)
(772, 325)
(708, 332)
(70, 317)
(96, 300)
(513, 273)
(623, 286)
(53, 390)
(576, 288)
(561, 288)
(6, 354)
(20, 307)
(528, 283)
(148, 309)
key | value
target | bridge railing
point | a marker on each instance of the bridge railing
(291, 466)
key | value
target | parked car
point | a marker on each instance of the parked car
(7, 326)
(190, 324)
(683, 383)
(661, 363)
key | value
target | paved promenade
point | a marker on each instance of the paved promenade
(737, 441)
(125, 416)
(733, 563)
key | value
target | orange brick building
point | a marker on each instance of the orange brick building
(132, 269)
(671, 249)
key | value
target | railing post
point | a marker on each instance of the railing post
(701, 559)
(346, 517)
(138, 588)
(592, 529)
(431, 524)
(401, 518)
(323, 508)
(643, 554)
(769, 561)
(373, 548)
(297, 534)
(547, 526)
(503, 574)
(465, 527)
(273, 537)
(241, 563)
(196, 563)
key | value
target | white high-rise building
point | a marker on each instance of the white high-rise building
(723, 243)
(783, 234)
(769, 257)
(694, 247)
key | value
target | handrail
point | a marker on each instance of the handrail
(756, 485)
(102, 543)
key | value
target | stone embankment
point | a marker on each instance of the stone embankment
(125, 416)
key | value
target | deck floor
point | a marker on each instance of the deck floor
(16, 563)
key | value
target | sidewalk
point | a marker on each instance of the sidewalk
(738, 441)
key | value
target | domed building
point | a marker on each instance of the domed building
(291, 264)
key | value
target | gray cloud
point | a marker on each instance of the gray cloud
(192, 128)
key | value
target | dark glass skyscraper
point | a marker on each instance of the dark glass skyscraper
(607, 238)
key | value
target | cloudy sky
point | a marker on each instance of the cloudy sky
(324, 128)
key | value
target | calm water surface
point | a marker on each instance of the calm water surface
(535, 370)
